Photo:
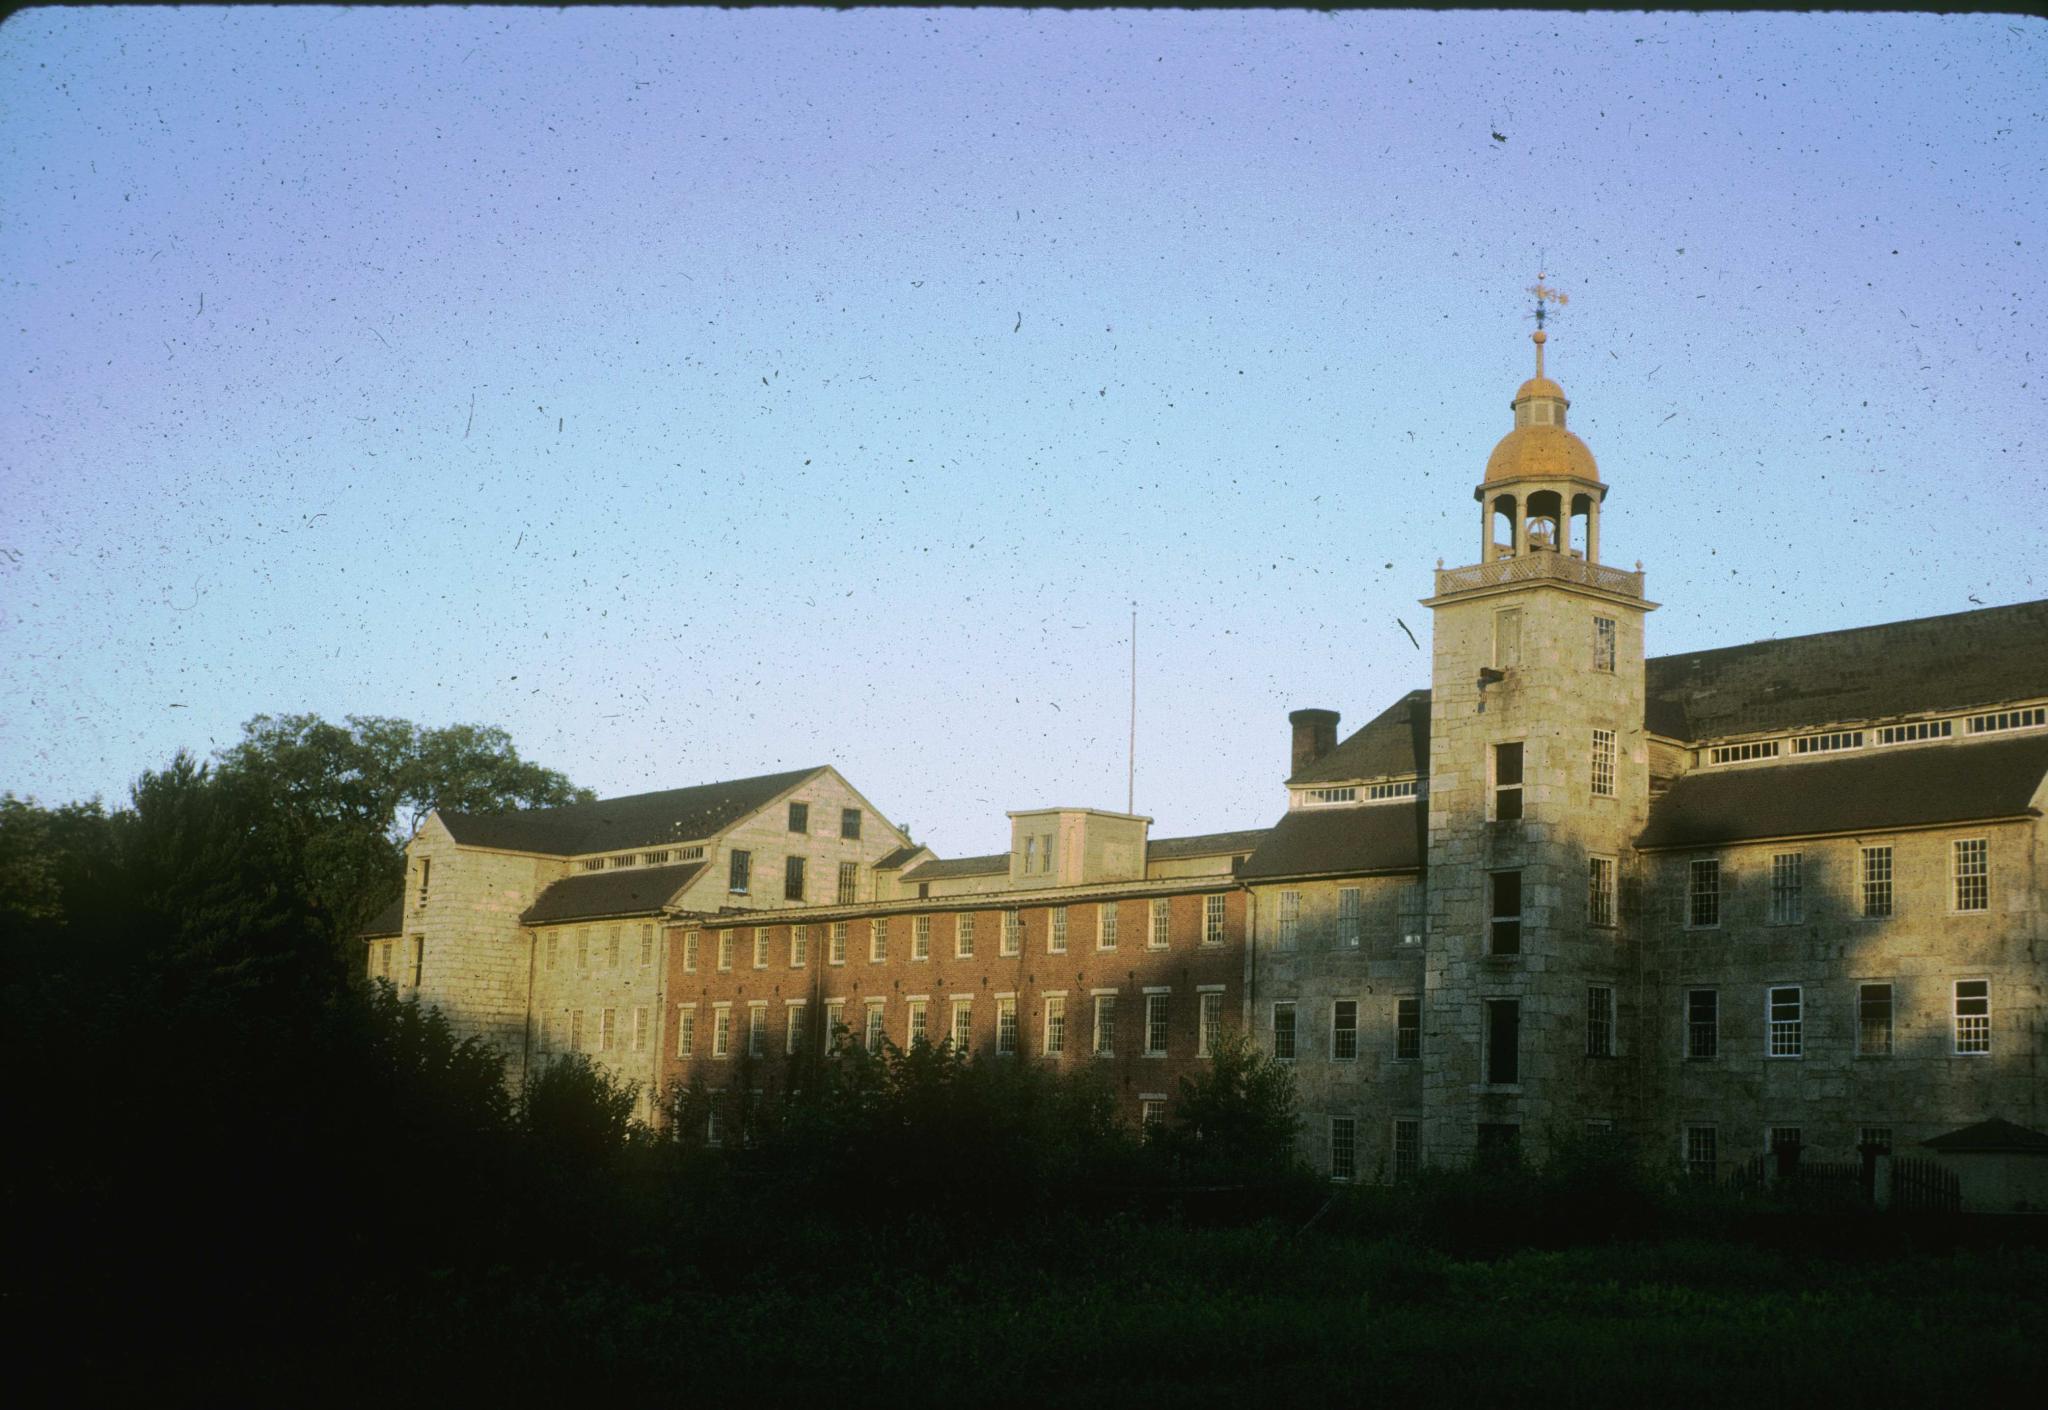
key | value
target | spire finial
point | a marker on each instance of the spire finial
(1544, 296)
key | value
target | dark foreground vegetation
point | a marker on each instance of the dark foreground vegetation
(235, 1170)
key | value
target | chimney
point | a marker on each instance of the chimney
(1315, 734)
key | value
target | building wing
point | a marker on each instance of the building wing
(1387, 837)
(603, 894)
(641, 820)
(1395, 744)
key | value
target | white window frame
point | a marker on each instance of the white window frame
(1604, 758)
(1291, 1029)
(1159, 928)
(1338, 1030)
(835, 943)
(1105, 926)
(721, 1030)
(725, 948)
(1215, 919)
(757, 1028)
(921, 938)
(874, 1030)
(1055, 1041)
(1971, 1032)
(1695, 894)
(1784, 1038)
(1158, 1022)
(1007, 1032)
(1969, 862)
(961, 1034)
(1056, 932)
(1103, 1044)
(1350, 917)
(1013, 933)
(963, 936)
(760, 947)
(1209, 1023)
(686, 1030)
(878, 940)
(691, 939)
(1604, 638)
(918, 1026)
(799, 946)
(1600, 891)
(794, 1013)
(1876, 875)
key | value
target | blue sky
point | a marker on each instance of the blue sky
(702, 393)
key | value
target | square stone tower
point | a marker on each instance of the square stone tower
(1539, 784)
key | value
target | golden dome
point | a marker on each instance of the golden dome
(1541, 453)
(1538, 387)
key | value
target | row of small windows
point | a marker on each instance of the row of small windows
(1343, 1044)
(795, 873)
(965, 931)
(644, 859)
(1912, 732)
(608, 953)
(1969, 884)
(1785, 1014)
(601, 1034)
(1155, 1025)
(1374, 792)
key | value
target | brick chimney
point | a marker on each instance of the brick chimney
(1315, 734)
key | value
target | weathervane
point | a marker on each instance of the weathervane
(1544, 296)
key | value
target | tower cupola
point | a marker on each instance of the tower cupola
(1540, 481)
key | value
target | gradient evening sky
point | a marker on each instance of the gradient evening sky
(840, 379)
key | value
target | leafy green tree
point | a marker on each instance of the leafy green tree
(1240, 1114)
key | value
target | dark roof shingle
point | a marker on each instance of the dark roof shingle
(629, 891)
(388, 921)
(1964, 659)
(1906, 787)
(898, 857)
(939, 869)
(1208, 844)
(1378, 837)
(1393, 744)
(642, 820)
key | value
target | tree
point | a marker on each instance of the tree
(1240, 1114)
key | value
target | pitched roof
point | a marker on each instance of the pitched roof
(1951, 662)
(388, 921)
(938, 869)
(629, 891)
(1320, 841)
(1394, 743)
(642, 820)
(1208, 844)
(1996, 1135)
(898, 857)
(1905, 787)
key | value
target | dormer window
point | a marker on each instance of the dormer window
(1030, 855)
(1919, 729)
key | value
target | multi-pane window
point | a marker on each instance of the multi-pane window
(611, 948)
(1414, 913)
(1155, 1025)
(1398, 788)
(686, 1032)
(1013, 932)
(873, 1036)
(646, 946)
(714, 1121)
(1211, 1023)
(1407, 1030)
(963, 1025)
(1343, 1148)
(1788, 888)
(1030, 855)
(1283, 1032)
(1702, 1023)
(1045, 852)
(553, 945)
(799, 817)
(741, 873)
(1006, 1026)
(1877, 881)
(793, 1037)
(1702, 1152)
(963, 937)
(1600, 891)
(757, 1030)
(835, 1021)
(1919, 729)
(799, 946)
(582, 950)
(1785, 1016)
(1212, 920)
(725, 947)
(1828, 743)
(1290, 919)
(1056, 933)
(576, 1030)
(690, 941)
(1603, 763)
(761, 947)
(849, 883)
(1506, 926)
(1105, 1024)
(1507, 781)
(1703, 893)
(640, 1030)
(1105, 926)
(1972, 862)
(1599, 1021)
(1603, 643)
(2009, 719)
(1344, 1031)
(1407, 1148)
(1157, 936)
(835, 943)
(920, 1031)
(1873, 1020)
(1055, 1024)
(921, 938)
(1743, 753)
(1973, 1016)
(878, 940)
(1503, 1041)
(1350, 917)
(792, 878)
(1151, 1114)
(721, 1030)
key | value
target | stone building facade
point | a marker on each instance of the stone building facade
(1785, 891)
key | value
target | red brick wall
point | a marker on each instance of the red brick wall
(1183, 966)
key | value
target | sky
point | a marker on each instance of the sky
(702, 393)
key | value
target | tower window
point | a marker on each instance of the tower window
(1503, 1042)
(1600, 891)
(1507, 781)
(1603, 763)
(1603, 643)
(1507, 913)
(1507, 638)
